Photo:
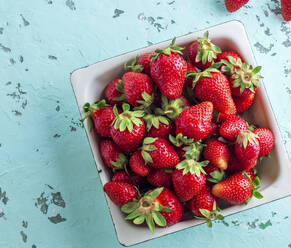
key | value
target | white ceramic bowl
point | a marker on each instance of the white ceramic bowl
(89, 83)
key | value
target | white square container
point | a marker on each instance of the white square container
(89, 83)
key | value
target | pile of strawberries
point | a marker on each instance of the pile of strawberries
(172, 136)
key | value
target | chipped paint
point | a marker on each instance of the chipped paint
(71, 4)
(23, 236)
(117, 13)
(57, 219)
(265, 225)
(58, 200)
(263, 49)
(253, 224)
(52, 57)
(5, 48)
(25, 22)
(24, 224)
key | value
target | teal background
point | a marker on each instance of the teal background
(50, 193)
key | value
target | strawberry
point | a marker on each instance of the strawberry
(202, 53)
(211, 85)
(112, 155)
(243, 103)
(231, 127)
(158, 126)
(247, 148)
(143, 88)
(159, 153)
(101, 117)
(172, 108)
(145, 61)
(185, 146)
(114, 92)
(160, 178)
(168, 70)
(159, 207)
(245, 81)
(189, 81)
(213, 174)
(231, 62)
(286, 10)
(130, 178)
(217, 153)
(120, 193)
(138, 165)
(214, 130)
(195, 122)
(128, 128)
(237, 165)
(266, 140)
(234, 5)
(189, 178)
(204, 205)
(237, 188)
(219, 117)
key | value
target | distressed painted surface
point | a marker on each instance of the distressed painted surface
(50, 194)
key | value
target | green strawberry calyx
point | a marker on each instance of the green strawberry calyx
(194, 150)
(211, 215)
(246, 137)
(127, 118)
(167, 51)
(180, 140)
(206, 73)
(133, 66)
(120, 88)
(231, 65)
(206, 51)
(146, 102)
(255, 186)
(216, 176)
(247, 77)
(148, 209)
(120, 162)
(89, 109)
(171, 108)
(155, 120)
(190, 165)
(148, 147)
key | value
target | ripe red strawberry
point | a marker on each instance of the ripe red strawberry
(245, 81)
(120, 193)
(168, 70)
(237, 165)
(101, 117)
(266, 140)
(211, 85)
(189, 178)
(246, 147)
(138, 165)
(213, 174)
(172, 108)
(204, 205)
(145, 61)
(138, 88)
(158, 126)
(231, 62)
(129, 177)
(112, 155)
(220, 117)
(237, 189)
(159, 153)
(231, 127)
(159, 208)
(202, 53)
(128, 128)
(214, 130)
(114, 92)
(160, 178)
(234, 5)
(217, 153)
(251, 173)
(243, 103)
(286, 10)
(195, 122)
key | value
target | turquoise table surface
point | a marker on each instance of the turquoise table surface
(50, 192)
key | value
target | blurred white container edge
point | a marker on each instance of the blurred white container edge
(89, 83)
